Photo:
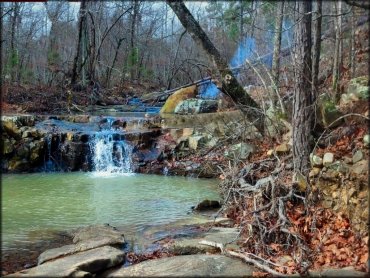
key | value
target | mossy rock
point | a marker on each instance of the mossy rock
(328, 112)
(177, 97)
(359, 87)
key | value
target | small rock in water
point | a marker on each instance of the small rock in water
(328, 159)
(207, 205)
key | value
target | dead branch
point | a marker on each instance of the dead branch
(254, 262)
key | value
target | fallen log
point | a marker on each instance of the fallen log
(171, 91)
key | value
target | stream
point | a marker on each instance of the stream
(36, 205)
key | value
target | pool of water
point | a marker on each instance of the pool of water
(33, 204)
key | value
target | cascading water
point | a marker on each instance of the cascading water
(109, 155)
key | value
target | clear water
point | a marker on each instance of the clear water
(33, 204)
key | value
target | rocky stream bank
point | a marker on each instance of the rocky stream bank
(202, 144)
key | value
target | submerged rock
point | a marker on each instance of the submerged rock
(190, 246)
(98, 232)
(207, 205)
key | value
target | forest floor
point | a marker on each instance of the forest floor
(327, 234)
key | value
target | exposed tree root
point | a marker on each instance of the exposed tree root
(261, 205)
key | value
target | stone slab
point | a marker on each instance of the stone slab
(82, 264)
(186, 266)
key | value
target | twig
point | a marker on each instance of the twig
(256, 263)
(79, 109)
(340, 118)
(213, 244)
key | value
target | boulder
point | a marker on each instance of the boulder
(81, 246)
(360, 167)
(314, 172)
(196, 106)
(282, 148)
(329, 112)
(36, 151)
(177, 97)
(7, 146)
(357, 156)
(328, 159)
(12, 129)
(337, 272)
(339, 166)
(207, 205)
(190, 246)
(98, 232)
(82, 264)
(240, 150)
(18, 164)
(315, 160)
(186, 266)
(273, 123)
(359, 87)
(196, 141)
(366, 140)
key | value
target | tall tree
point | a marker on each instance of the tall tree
(230, 84)
(302, 101)
(337, 64)
(54, 11)
(277, 43)
(14, 54)
(78, 59)
(353, 43)
(316, 47)
(133, 58)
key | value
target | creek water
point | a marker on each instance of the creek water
(35, 205)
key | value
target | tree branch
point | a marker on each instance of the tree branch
(359, 4)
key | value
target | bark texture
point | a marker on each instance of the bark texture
(78, 59)
(316, 48)
(230, 85)
(302, 101)
(277, 43)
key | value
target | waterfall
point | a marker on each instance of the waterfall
(110, 155)
(102, 149)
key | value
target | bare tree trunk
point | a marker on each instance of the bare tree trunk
(133, 53)
(338, 47)
(316, 48)
(91, 56)
(13, 49)
(353, 43)
(277, 43)
(302, 102)
(230, 85)
(77, 59)
(109, 70)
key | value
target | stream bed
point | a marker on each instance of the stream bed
(34, 206)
